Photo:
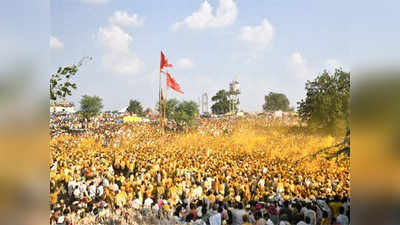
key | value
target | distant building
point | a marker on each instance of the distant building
(204, 104)
(234, 92)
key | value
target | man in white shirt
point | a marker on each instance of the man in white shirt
(71, 185)
(92, 190)
(111, 170)
(155, 210)
(100, 190)
(148, 202)
(106, 182)
(216, 219)
(115, 187)
(197, 192)
(82, 189)
(237, 214)
(137, 204)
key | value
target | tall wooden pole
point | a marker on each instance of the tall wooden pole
(165, 100)
(159, 102)
(159, 89)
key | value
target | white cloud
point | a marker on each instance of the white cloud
(258, 36)
(55, 43)
(299, 66)
(203, 18)
(95, 1)
(117, 56)
(184, 63)
(297, 59)
(124, 19)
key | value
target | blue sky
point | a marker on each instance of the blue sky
(269, 45)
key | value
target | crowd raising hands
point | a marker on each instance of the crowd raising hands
(221, 171)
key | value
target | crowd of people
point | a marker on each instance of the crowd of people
(223, 171)
(68, 123)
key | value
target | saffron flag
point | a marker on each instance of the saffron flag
(171, 83)
(164, 62)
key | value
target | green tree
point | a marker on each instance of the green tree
(186, 112)
(172, 104)
(61, 84)
(90, 106)
(327, 102)
(276, 101)
(222, 103)
(135, 107)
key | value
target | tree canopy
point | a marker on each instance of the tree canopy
(222, 103)
(90, 106)
(172, 104)
(276, 101)
(327, 102)
(185, 111)
(135, 107)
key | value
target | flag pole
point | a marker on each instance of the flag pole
(159, 101)
(165, 100)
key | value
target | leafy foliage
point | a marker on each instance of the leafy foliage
(327, 103)
(222, 102)
(135, 107)
(276, 101)
(60, 82)
(60, 86)
(90, 106)
(172, 104)
(185, 111)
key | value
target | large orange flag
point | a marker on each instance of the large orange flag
(164, 62)
(171, 83)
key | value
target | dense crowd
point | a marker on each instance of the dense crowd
(67, 123)
(223, 171)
